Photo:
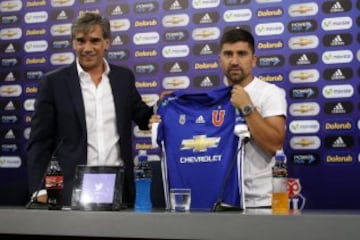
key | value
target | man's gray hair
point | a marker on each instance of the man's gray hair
(87, 21)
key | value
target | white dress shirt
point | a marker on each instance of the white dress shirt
(103, 146)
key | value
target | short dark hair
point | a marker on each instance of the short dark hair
(87, 21)
(238, 35)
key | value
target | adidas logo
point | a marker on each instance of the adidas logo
(206, 50)
(338, 109)
(117, 41)
(338, 75)
(117, 11)
(336, 8)
(339, 142)
(206, 82)
(10, 49)
(175, 6)
(9, 135)
(9, 106)
(303, 60)
(337, 41)
(10, 77)
(206, 19)
(200, 119)
(176, 68)
(62, 16)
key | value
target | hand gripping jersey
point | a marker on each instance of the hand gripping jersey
(197, 138)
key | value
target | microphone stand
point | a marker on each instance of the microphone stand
(241, 130)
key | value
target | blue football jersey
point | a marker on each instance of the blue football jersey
(198, 143)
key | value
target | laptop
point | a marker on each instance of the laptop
(98, 188)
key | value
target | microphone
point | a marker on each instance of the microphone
(33, 202)
(242, 131)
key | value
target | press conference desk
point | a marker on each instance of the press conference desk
(40, 224)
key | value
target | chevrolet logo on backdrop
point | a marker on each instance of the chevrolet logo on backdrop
(303, 9)
(119, 25)
(175, 20)
(60, 30)
(62, 3)
(11, 6)
(304, 76)
(10, 90)
(305, 142)
(210, 33)
(304, 109)
(10, 33)
(176, 82)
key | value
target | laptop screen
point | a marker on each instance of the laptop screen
(98, 187)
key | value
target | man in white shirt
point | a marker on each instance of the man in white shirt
(264, 107)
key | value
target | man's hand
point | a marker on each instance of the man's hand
(239, 97)
(154, 119)
(162, 95)
(41, 196)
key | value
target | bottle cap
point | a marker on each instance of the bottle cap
(142, 152)
(142, 155)
(279, 156)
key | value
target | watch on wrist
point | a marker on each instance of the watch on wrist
(247, 109)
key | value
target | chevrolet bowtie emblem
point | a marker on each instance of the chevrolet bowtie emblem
(200, 143)
(304, 109)
(305, 142)
(175, 20)
(304, 75)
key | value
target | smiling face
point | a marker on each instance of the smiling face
(90, 48)
(237, 61)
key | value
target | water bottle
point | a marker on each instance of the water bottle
(54, 184)
(280, 196)
(143, 176)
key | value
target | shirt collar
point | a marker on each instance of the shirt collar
(82, 72)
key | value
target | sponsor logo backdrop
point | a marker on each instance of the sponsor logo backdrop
(308, 48)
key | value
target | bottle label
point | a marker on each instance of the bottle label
(143, 172)
(280, 185)
(54, 182)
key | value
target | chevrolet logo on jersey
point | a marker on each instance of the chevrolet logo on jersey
(200, 143)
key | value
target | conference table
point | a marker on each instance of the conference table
(159, 224)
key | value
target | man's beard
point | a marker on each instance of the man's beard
(235, 78)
